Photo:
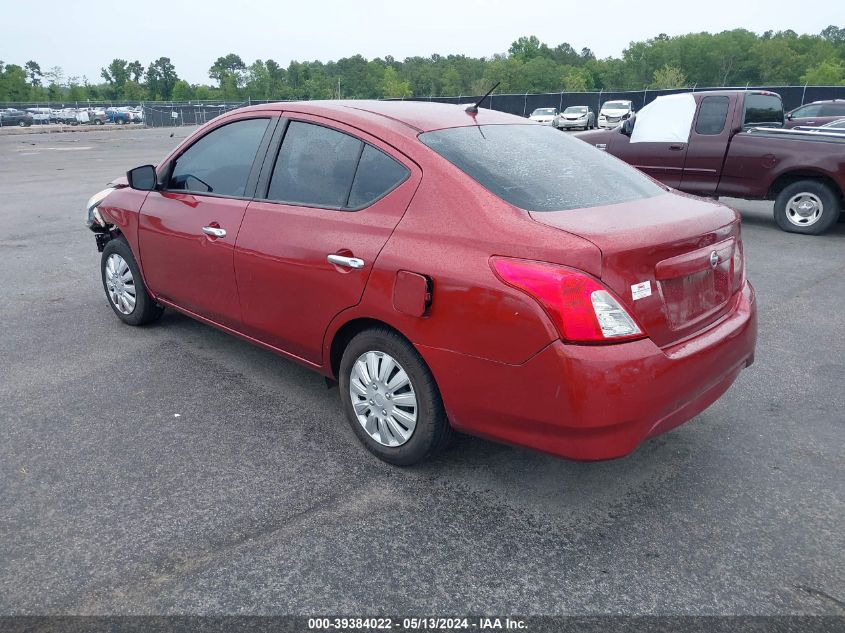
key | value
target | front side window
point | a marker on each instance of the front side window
(219, 163)
(537, 168)
(712, 115)
(807, 111)
(321, 167)
(763, 110)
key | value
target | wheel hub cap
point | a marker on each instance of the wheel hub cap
(120, 284)
(804, 209)
(383, 398)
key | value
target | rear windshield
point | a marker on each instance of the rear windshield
(763, 110)
(537, 168)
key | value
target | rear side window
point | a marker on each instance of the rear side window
(712, 115)
(220, 162)
(315, 167)
(321, 167)
(377, 174)
(763, 110)
(537, 168)
(833, 109)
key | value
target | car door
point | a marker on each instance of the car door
(187, 230)
(648, 149)
(708, 145)
(331, 199)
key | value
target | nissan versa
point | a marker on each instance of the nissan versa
(450, 268)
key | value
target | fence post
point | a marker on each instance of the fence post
(803, 94)
(525, 104)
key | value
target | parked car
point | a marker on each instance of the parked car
(121, 116)
(405, 250)
(546, 116)
(94, 116)
(42, 116)
(577, 117)
(12, 116)
(816, 113)
(67, 116)
(137, 115)
(732, 143)
(612, 113)
(834, 127)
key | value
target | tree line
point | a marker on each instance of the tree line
(730, 58)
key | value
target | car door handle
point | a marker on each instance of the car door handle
(676, 148)
(348, 262)
(214, 231)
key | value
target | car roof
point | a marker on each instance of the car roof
(406, 117)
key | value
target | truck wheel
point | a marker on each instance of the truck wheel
(124, 286)
(390, 398)
(807, 206)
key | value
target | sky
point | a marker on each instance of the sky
(194, 34)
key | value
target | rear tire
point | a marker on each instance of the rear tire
(125, 290)
(376, 421)
(809, 207)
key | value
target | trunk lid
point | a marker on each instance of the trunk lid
(670, 259)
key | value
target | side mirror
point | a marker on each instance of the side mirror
(627, 127)
(142, 178)
(790, 116)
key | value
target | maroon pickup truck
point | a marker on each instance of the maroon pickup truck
(732, 143)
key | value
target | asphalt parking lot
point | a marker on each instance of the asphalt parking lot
(175, 469)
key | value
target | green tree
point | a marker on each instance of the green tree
(830, 72)
(669, 77)
(229, 70)
(161, 78)
(182, 91)
(116, 75)
(526, 48)
(13, 86)
(136, 71)
(393, 86)
(33, 70)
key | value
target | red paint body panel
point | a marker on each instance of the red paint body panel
(269, 282)
(591, 403)
(411, 294)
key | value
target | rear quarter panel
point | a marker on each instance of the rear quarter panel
(754, 162)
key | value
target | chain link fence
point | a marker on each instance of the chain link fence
(170, 113)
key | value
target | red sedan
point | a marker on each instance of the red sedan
(450, 269)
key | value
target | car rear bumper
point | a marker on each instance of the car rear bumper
(596, 402)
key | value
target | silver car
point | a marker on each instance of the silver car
(577, 117)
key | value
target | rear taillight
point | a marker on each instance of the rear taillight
(738, 267)
(582, 309)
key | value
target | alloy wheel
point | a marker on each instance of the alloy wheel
(804, 209)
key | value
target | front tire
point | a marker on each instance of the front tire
(125, 290)
(807, 206)
(390, 398)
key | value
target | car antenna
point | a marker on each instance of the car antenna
(473, 107)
